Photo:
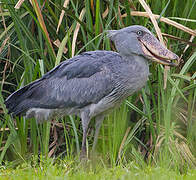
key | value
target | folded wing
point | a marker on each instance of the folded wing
(77, 82)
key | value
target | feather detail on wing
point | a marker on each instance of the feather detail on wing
(77, 82)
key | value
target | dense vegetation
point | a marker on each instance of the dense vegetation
(152, 134)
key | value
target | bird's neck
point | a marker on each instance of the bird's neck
(139, 62)
(137, 72)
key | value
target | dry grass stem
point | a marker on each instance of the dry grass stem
(158, 143)
(165, 20)
(66, 2)
(42, 23)
(187, 46)
(179, 39)
(123, 142)
(159, 34)
(153, 19)
(76, 32)
(105, 13)
(57, 44)
(18, 4)
(4, 43)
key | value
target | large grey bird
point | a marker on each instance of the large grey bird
(92, 83)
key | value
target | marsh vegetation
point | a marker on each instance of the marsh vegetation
(152, 134)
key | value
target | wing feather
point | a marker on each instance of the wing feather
(77, 82)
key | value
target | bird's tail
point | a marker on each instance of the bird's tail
(20, 101)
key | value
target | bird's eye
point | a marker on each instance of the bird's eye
(139, 33)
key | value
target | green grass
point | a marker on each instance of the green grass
(152, 135)
(71, 170)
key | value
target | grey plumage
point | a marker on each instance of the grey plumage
(82, 80)
(90, 84)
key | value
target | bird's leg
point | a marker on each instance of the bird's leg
(98, 122)
(85, 122)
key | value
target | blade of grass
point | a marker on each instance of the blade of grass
(75, 134)
(43, 27)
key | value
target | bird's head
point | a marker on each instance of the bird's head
(138, 40)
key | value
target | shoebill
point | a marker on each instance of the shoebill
(93, 83)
